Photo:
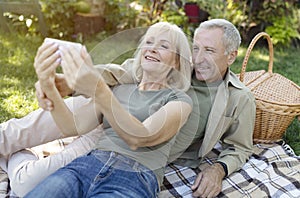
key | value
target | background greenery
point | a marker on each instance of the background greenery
(17, 50)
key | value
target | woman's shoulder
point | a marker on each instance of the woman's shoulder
(179, 95)
(124, 86)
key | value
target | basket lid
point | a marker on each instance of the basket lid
(278, 90)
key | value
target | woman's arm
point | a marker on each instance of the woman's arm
(159, 127)
(46, 62)
(156, 129)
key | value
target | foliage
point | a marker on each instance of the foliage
(141, 13)
(25, 24)
(280, 19)
(176, 16)
(283, 30)
(126, 15)
(59, 16)
(82, 6)
(215, 8)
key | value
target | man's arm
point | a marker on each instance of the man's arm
(238, 139)
(114, 74)
(238, 147)
(62, 87)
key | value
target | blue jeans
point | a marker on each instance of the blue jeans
(102, 174)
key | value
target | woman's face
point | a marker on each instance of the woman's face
(159, 53)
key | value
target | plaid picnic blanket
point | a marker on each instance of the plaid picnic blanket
(273, 170)
(3, 183)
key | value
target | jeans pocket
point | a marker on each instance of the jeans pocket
(148, 179)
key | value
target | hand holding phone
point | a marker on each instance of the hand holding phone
(66, 44)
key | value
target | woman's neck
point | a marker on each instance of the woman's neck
(152, 83)
(151, 86)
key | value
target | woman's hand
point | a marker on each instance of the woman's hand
(79, 71)
(46, 61)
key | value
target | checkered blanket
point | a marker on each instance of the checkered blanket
(3, 183)
(272, 171)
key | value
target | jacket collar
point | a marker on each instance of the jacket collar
(216, 121)
(231, 78)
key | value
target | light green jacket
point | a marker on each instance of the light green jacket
(232, 121)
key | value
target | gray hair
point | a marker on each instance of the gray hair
(177, 79)
(231, 37)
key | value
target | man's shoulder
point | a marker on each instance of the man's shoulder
(235, 84)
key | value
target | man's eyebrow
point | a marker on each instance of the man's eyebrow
(209, 47)
(205, 46)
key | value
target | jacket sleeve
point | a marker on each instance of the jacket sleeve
(238, 138)
(114, 74)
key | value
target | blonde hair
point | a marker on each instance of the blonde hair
(176, 79)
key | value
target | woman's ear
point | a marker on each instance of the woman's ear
(231, 57)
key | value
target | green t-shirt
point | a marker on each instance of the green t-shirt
(142, 104)
(203, 95)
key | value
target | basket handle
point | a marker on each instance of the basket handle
(251, 45)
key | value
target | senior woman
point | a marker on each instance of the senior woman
(139, 120)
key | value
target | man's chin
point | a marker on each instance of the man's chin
(200, 77)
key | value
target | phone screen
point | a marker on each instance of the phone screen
(66, 44)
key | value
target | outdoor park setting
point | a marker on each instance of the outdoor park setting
(98, 24)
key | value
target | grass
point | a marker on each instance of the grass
(17, 76)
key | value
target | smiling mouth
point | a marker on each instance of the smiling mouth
(202, 68)
(150, 58)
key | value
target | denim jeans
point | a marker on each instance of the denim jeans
(102, 174)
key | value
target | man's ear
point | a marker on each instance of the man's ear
(231, 57)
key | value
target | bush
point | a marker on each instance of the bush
(141, 13)
(59, 16)
(280, 19)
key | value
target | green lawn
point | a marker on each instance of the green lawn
(17, 76)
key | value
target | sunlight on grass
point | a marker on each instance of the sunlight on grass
(8, 43)
(16, 58)
(17, 76)
(19, 103)
(8, 81)
(263, 57)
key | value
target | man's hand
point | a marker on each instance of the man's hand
(209, 182)
(62, 87)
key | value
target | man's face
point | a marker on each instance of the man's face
(210, 61)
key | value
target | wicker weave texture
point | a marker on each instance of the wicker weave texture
(277, 98)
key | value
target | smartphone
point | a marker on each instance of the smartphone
(66, 44)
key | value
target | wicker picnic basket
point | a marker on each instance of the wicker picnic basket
(277, 98)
